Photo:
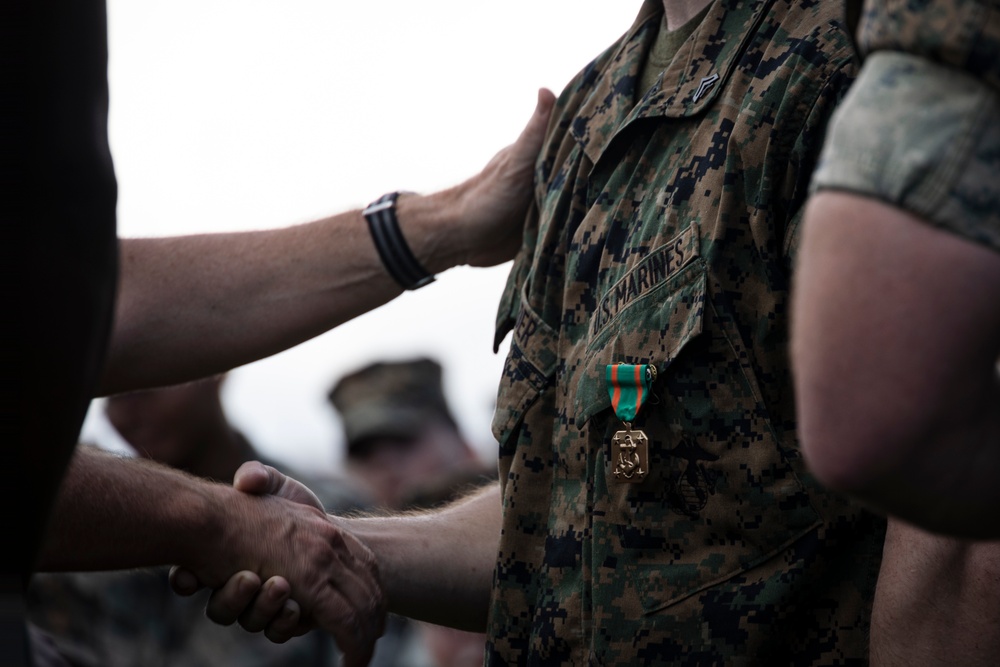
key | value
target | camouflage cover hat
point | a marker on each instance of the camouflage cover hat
(394, 399)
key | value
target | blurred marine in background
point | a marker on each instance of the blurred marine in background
(404, 443)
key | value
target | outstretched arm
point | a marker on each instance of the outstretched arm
(435, 566)
(124, 513)
(438, 566)
(197, 305)
(895, 341)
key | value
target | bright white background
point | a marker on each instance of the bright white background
(229, 115)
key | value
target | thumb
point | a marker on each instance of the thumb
(530, 140)
(257, 479)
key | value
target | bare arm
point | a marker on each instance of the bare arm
(936, 601)
(434, 566)
(197, 305)
(438, 566)
(895, 339)
(116, 513)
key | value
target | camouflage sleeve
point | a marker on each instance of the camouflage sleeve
(938, 164)
(964, 34)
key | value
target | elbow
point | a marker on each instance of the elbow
(842, 459)
(853, 435)
(873, 455)
(849, 470)
(854, 446)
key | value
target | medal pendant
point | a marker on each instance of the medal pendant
(630, 455)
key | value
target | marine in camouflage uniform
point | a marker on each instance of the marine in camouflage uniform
(921, 130)
(665, 230)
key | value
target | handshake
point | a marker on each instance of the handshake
(282, 566)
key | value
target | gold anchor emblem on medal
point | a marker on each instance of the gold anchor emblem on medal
(630, 452)
(629, 387)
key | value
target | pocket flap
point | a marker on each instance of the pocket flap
(653, 329)
(528, 370)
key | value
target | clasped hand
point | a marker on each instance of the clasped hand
(315, 573)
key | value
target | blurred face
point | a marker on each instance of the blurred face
(397, 468)
(166, 425)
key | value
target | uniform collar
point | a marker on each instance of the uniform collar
(690, 83)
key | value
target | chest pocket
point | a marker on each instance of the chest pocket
(720, 495)
(528, 371)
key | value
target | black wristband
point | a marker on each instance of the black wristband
(392, 247)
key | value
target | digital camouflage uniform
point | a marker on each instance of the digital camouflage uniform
(664, 234)
(921, 129)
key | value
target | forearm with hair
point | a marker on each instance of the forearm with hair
(115, 513)
(437, 566)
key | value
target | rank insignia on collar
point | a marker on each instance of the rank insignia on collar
(706, 85)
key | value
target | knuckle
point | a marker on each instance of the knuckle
(251, 622)
(218, 617)
(276, 637)
(251, 626)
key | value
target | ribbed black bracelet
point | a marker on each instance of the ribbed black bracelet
(392, 247)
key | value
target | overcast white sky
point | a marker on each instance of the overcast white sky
(229, 115)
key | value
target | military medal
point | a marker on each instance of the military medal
(628, 386)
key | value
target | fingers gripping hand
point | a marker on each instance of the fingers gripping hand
(257, 479)
(270, 611)
(333, 577)
(352, 608)
(330, 574)
(258, 608)
(184, 582)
